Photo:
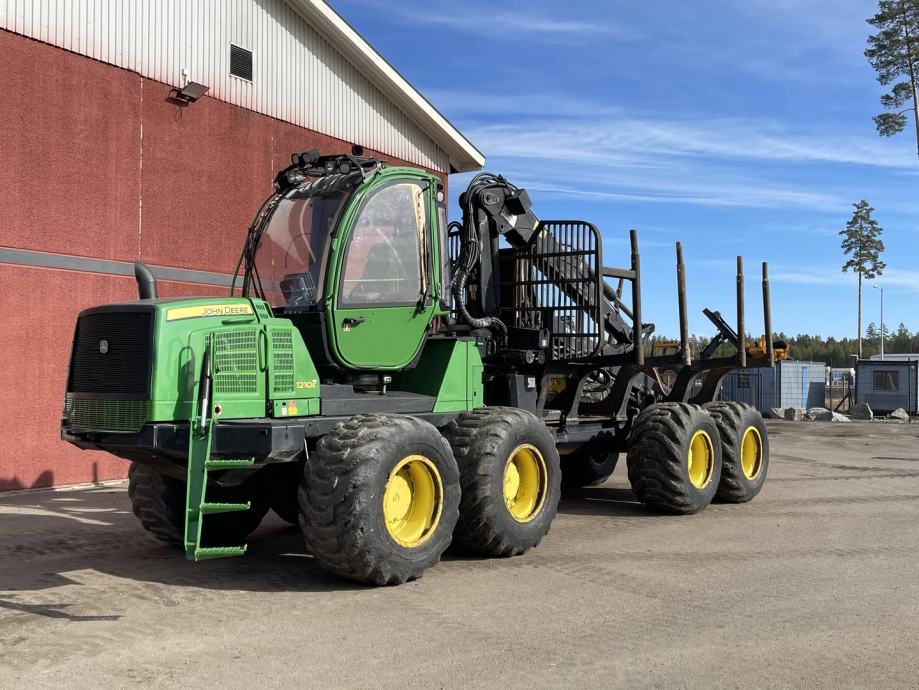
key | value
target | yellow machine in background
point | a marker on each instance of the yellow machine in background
(758, 349)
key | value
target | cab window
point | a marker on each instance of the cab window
(384, 259)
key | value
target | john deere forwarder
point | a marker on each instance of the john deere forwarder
(389, 382)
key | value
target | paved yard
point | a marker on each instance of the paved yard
(815, 583)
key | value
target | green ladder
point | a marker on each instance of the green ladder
(200, 435)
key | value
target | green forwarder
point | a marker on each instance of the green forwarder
(389, 382)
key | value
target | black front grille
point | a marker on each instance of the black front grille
(112, 355)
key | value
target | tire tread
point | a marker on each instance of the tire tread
(656, 456)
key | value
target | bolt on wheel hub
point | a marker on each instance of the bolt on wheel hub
(700, 459)
(412, 501)
(525, 482)
(751, 453)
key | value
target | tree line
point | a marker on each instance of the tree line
(835, 352)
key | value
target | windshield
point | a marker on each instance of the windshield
(289, 257)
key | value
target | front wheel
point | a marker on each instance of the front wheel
(158, 501)
(675, 458)
(511, 479)
(379, 498)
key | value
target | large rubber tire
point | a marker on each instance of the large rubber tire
(483, 442)
(737, 422)
(587, 469)
(659, 458)
(158, 501)
(342, 498)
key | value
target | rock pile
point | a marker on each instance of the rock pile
(862, 411)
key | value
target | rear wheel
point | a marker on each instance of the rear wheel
(158, 501)
(675, 458)
(744, 450)
(588, 469)
(511, 479)
(379, 499)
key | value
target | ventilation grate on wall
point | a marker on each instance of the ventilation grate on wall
(240, 62)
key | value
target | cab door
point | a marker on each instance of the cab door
(381, 298)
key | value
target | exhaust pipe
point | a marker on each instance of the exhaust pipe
(146, 281)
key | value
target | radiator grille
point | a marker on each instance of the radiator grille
(112, 354)
(282, 363)
(236, 362)
(105, 415)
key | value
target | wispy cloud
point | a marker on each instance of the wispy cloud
(820, 276)
(647, 139)
(688, 190)
(482, 20)
(508, 25)
(578, 149)
(491, 105)
(897, 279)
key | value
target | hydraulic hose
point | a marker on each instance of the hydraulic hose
(470, 250)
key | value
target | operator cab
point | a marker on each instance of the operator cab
(347, 250)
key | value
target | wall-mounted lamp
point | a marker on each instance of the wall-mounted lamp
(189, 93)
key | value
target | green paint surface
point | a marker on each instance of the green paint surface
(257, 358)
(451, 371)
(387, 338)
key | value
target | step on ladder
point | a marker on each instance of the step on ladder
(200, 435)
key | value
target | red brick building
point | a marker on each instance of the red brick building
(100, 165)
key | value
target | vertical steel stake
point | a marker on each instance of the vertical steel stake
(636, 301)
(767, 315)
(741, 327)
(685, 354)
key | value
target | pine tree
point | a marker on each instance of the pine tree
(893, 52)
(901, 339)
(863, 245)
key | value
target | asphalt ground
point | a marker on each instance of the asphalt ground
(813, 584)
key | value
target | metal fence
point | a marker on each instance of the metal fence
(789, 384)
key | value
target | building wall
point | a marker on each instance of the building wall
(905, 396)
(298, 75)
(99, 168)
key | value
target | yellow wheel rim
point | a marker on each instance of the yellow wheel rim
(412, 501)
(751, 452)
(700, 459)
(525, 481)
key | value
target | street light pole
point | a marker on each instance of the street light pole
(877, 287)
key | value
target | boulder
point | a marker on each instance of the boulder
(900, 414)
(775, 413)
(819, 414)
(793, 414)
(861, 411)
(839, 417)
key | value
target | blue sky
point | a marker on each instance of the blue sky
(738, 127)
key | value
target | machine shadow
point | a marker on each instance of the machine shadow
(49, 537)
(604, 501)
(44, 545)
